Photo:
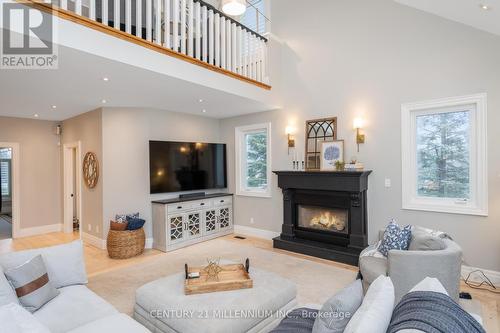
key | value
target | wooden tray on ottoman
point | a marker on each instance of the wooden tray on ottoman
(232, 277)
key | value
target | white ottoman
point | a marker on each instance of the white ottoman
(162, 307)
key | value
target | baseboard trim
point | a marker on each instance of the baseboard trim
(255, 232)
(94, 240)
(149, 243)
(494, 276)
(33, 231)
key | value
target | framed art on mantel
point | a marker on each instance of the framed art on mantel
(331, 153)
(317, 132)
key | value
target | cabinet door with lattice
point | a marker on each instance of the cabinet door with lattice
(193, 224)
(175, 228)
(210, 225)
(225, 218)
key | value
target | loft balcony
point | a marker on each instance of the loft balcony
(190, 30)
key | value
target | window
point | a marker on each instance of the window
(5, 171)
(253, 160)
(444, 155)
(254, 17)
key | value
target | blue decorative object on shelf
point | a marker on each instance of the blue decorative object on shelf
(135, 223)
(332, 153)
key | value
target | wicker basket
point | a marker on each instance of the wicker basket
(126, 244)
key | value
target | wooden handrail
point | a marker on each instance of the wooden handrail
(84, 21)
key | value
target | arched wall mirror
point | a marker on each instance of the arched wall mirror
(317, 132)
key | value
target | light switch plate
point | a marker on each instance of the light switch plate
(387, 183)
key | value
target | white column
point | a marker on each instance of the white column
(116, 14)
(175, 33)
(223, 42)
(197, 30)
(211, 37)
(217, 39)
(190, 27)
(157, 21)
(204, 20)
(149, 17)
(138, 18)
(183, 26)
(166, 19)
(128, 16)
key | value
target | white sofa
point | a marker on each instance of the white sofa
(76, 309)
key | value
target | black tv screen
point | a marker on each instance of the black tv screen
(186, 166)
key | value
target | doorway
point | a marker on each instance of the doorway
(5, 192)
(9, 190)
(72, 188)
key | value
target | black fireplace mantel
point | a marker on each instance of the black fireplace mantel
(341, 189)
(353, 181)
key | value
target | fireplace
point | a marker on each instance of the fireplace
(322, 219)
(324, 214)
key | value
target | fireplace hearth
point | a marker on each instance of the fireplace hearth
(324, 214)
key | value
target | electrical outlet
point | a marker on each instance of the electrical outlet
(89, 226)
(387, 183)
(252, 220)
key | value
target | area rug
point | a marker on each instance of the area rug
(316, 282)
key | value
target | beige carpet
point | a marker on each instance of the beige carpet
(316, 282)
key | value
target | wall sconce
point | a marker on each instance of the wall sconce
(358, 124)
(291, 140)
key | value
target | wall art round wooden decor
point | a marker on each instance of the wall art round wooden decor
(90, 170)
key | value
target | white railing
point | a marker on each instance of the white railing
(190, 27)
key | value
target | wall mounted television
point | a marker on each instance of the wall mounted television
(186, 166)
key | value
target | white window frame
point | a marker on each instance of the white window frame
(240, 143)
(478, 201)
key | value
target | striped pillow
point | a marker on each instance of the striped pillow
(31, 284)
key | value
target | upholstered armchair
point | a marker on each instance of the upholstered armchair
(406, 268)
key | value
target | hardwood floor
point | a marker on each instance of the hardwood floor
(97, 262)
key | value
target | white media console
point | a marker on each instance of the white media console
(185, 221)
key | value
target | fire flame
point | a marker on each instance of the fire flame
(328, 220)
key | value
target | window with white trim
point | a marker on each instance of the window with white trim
(444, 164)
(253, 160)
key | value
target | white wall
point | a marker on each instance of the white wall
(126, 135)
(365, 58)
(40, 190)
(87, 128)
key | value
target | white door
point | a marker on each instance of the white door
(210, 225)
(175, 228)
(193, 224)
(72, 186)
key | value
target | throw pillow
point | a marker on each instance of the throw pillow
(118, 226)
(31, 283)
(335, 314)
(65, 263)
(423, 240)
(16, 319)
(374, 314)
(135, 223)
(430, 284)
(7, 294)
(395, 238)
(122, 218)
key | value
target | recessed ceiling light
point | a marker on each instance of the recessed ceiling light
(105, 78)
(204, 111)
(103, 101)
(54, 106)
(200, 100)
(35, 115)
(485, 7)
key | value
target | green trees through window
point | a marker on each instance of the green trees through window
(256, 160)
(443, 155)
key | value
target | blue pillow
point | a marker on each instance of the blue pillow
(135, 223)
(395, 238)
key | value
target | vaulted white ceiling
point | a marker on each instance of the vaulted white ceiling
(469, 12)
